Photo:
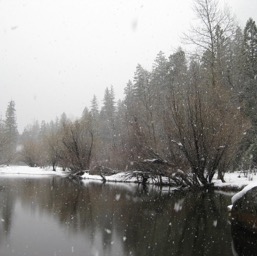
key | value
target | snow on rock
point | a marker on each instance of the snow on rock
(240, 194)
(244, 210)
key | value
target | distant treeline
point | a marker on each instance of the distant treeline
(195, 111)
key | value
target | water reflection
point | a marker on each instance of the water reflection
(53, 216)
(244, 241)
(6, 210)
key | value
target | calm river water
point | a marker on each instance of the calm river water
(54, 216)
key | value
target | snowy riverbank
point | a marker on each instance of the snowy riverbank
(235, 180)
(29, 171)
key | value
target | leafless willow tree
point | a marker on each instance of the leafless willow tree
(77, 140)
(205, 127)
(53, 145)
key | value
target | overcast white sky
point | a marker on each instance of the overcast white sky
(56, 54)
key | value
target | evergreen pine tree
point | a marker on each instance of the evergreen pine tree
(250, 48)
(11, 132)
(94, 108)
(250, 69)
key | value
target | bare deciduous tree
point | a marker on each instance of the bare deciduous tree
(77, 143)
(52, 143)
(205, 35)
(206, 128)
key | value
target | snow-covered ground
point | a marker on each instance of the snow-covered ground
(118, 177)
(236, 180)
(28, 171)
(233, 180)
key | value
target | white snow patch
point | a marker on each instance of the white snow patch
(29, 171)
(236, 180)
(118, 177)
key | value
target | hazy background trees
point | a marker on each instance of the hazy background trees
(195, 111)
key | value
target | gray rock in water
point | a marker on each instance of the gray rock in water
(244, 210)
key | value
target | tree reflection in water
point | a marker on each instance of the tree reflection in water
(6, 211)
(121, 219)
(244, 241)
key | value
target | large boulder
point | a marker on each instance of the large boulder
(244, 208)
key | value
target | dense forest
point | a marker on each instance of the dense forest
(191, 116)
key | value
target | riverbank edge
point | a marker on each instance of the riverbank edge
(235, 181)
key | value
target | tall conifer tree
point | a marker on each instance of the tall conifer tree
(11, 131)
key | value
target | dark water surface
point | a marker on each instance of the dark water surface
(54, 216)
